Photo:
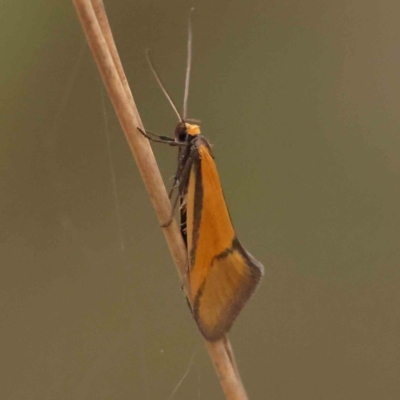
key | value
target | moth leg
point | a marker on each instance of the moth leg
(184, 174)
(160, 139)
(174, 186)
(168, 223)
(185, 278)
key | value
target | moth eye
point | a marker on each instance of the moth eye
(182, 136)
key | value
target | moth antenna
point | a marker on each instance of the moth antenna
(153, 70)
(189, 63)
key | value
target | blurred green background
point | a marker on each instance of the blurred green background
(301, 102)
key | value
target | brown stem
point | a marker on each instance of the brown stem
(98, 33)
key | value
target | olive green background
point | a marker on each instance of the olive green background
(301, 102)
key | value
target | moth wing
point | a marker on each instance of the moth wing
(222, 274)
(232, 279)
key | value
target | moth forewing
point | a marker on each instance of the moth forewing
(222, 274)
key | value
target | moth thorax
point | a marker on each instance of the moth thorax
(192, 130)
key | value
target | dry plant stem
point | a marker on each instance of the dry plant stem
(98, 33)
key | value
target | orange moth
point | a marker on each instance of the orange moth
(221, 274)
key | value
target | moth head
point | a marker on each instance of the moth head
(184, 131)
